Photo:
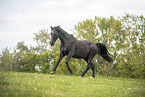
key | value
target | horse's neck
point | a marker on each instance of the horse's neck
(63, 36)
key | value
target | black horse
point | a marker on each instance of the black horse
(81, 49)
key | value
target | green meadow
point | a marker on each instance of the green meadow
(18, 84)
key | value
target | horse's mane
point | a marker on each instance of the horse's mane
(63, 31)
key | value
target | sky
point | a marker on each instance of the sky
(20, 19)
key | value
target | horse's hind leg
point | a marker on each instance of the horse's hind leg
(90, 64)
(93, 70)
(87, 68)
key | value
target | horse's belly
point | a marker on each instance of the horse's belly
(82, 56)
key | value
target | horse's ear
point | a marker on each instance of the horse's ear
(51, 28)
(58, 26)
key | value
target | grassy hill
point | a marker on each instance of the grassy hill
(16, 84)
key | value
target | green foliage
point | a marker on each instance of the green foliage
(13, 84)
(42, 39)
(124, 37)
(25, 59)
(6, 60)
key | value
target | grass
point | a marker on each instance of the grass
(17, 84)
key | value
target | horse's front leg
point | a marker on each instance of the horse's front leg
(60, 58)
(71, 53)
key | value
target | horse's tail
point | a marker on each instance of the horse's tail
(102, 50)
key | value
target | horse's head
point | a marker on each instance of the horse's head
(54, 35)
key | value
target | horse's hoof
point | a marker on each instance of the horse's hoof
(71, 71)
(52, 72)
(92, 77)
